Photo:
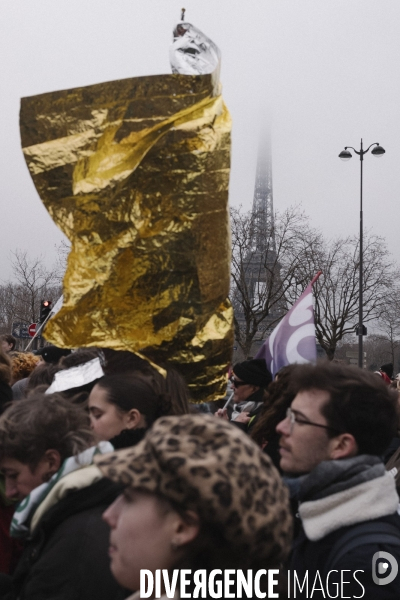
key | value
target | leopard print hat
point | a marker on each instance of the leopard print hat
(208, 465)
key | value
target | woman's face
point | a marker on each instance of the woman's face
(243, 390)
(20, 480)
(142, 531)
(106, 419)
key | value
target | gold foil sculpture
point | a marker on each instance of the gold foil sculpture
(135, 173)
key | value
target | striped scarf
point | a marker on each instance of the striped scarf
(20, 524)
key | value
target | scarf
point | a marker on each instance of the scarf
(332, 476)
(339, 493)
(251, 404)
(27, 507)
(128, 438)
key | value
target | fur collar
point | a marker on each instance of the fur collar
(73, 481)
(364, 502)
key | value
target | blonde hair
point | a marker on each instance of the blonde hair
(22, 364)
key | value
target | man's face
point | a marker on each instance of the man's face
(304, 446)
(21, 479)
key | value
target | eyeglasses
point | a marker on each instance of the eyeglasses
(294, 418)
(237, 383)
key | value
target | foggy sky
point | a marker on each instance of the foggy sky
(322, 74)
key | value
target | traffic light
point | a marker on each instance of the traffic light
(45, 309)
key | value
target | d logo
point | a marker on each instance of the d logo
(382, 568)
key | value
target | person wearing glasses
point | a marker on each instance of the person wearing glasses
(249, 380)
(332, 440)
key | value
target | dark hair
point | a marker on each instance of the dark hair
(360, 403)
(80, 357)
(10, 339)
(172, 384)
(122, 361)
(388, 369)
(43, 375)
(135, 390)
(43, 422)
(5, 367)
(78, 394)
(278, 398)
(175, 386)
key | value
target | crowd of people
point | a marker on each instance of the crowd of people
(108, 469)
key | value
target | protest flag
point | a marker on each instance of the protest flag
(293, 339)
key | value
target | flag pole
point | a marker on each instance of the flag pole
(316, 277)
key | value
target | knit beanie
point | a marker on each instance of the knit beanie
(52, 354)
(254, 372)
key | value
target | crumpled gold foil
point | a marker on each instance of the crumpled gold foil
(135, 172)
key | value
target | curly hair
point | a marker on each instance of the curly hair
(43, 422)
(22, 364)
(279, 397)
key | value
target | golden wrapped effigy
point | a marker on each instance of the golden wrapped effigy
(135, 172)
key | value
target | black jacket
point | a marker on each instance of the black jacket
(6, 395)
(312, 557)
(67, 557)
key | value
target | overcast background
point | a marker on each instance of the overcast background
(323, 73)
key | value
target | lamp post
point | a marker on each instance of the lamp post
(346, 155)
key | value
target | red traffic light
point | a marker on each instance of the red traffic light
(45, 309)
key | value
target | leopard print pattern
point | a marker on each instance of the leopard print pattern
(208, 465)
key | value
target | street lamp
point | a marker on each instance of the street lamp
(346, 155)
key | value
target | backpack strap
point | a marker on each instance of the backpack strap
(362, 535)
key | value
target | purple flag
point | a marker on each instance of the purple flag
(293, 339)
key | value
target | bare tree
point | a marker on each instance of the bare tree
(20, 301)
(263, 276)
(378, 351)
(8, 308)
(336, 293)
(388, 324)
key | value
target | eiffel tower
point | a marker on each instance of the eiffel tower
(263, 206)
(261, 258)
